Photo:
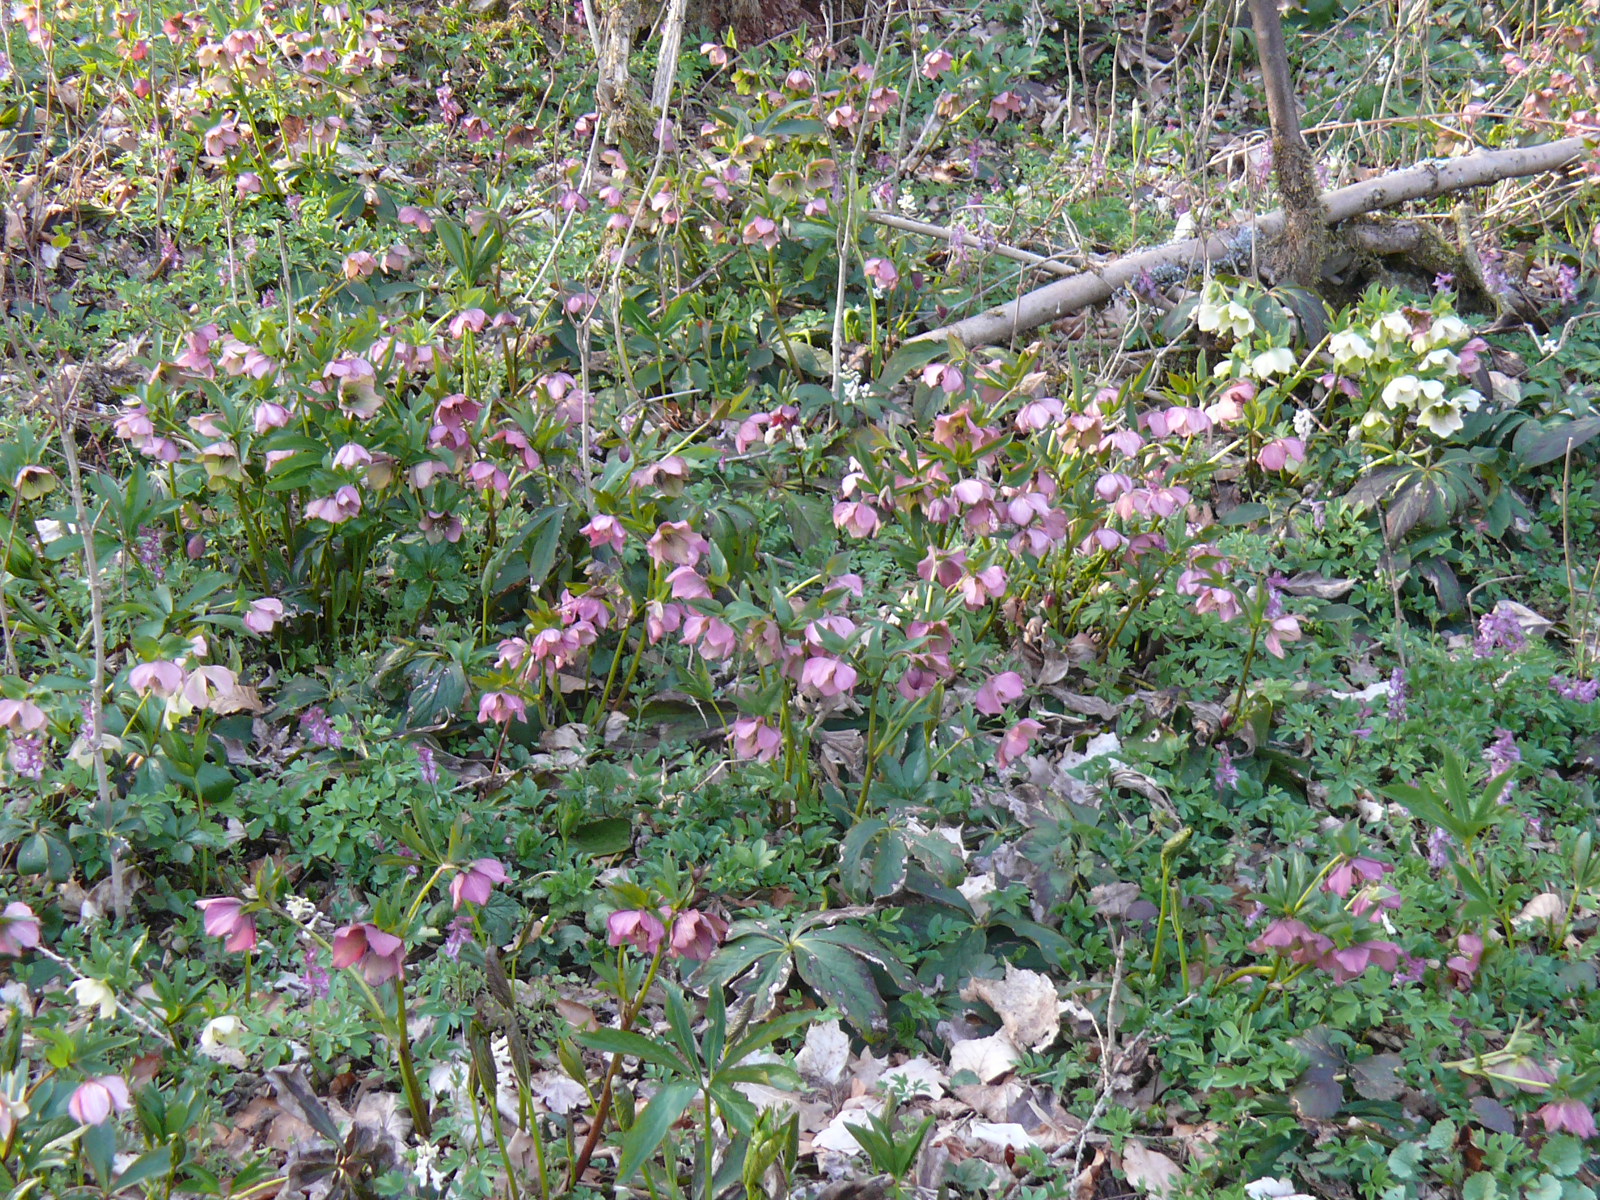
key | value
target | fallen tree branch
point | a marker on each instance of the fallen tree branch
(950, 234)
(1420, 182)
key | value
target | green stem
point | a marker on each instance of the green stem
(1244, 673)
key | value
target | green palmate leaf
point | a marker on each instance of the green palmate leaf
(651, 1126)
(1537, 444)
(846, 982)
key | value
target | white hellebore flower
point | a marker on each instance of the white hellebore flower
(1390, 328)
(220, 1040)
(1410, 391)
(1441, 358)
(1278, 361)
(1440, 419)
(1349, 349)
(1468, 399)
(1442, 332)
(1230, 319)
(94, 993)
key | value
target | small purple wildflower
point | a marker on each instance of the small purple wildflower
(1584, 691)
(1145, 286)
(1443, 281)
(1498, 629)
(1502, 754)
(1411, 969)
(319, 730)
(149, 551)
(316, 975)
(1535, 826)
(1363, 730)
(1567, 283)
(87, 709)
(1227, 773)
(27, 757)
(1439, 843)
(426, 765)
(460, 935)
(1399, 694)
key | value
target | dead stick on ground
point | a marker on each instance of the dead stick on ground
(1420, 182)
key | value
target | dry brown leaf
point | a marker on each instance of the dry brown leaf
(579, 1016)
(1148, 1170)
(825, 1054)
(1545, 908)
(1027, 1004)
(988, 1058)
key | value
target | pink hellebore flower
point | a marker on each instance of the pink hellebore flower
(1348, 873)
(882, 272)
(94, 1100)
(636, 927)
(1463, 967)
(360, 264)
(269, 416)
(827, 676)
(1567, 1116)
(697, 935)
(761, 231)
(500, 707)
(998, 691)
(661, 619)
(687, 584)
(337, 508)
(676, 542)
(1016, 740)
(713, 636)
(376, 953)
(19, 929)
(161, 678)
(1301, 943)
(1005, 103)
(1280, 630)
(474, 881)
(1467, 356)
(23, 716)
(945, 376)
(1280, 452)
(605, 530)
(1349, 963)
(224, 918)
(1229, 404)
(263, 615)
(936, 62)
(855, 518)
(753, 738)
(471, 320)
(1042, 413)
(410, 214)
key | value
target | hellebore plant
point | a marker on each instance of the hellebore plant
(643, 930)
(372, 952)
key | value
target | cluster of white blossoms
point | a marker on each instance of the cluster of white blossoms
(1400, 365)
(1404, 364)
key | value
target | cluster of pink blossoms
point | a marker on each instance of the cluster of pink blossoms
(693, 934)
